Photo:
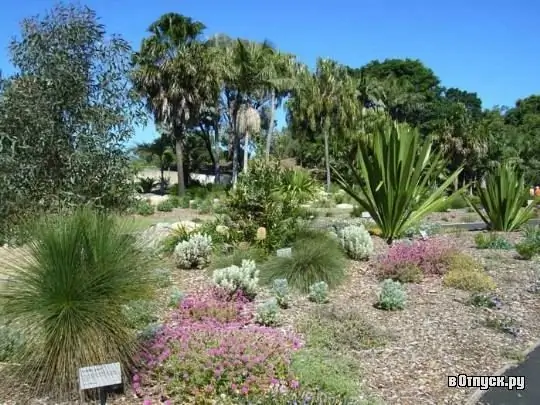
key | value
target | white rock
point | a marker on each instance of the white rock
(345, 206)
(187, 225)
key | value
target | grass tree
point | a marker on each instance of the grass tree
(397, 174)
(248, 121)
(66, 297)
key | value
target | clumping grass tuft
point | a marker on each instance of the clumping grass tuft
(315, 258)
(67, 294)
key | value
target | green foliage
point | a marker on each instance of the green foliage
(175, 297)
(144, 208)
(491, 241)
(340, 330)
(316, 256)
(165, 206)
(298, 185)
(177, 235)
(483, 300)
(140, 313)
(11, 343)
(65, 116)
(396, 172)
(318, 292)
(162, 278)
(67, 294)
(147, 184)
(267, 313)
(175, 201)
(502, 199)
(254, 203)
(222, 260)
(280, 290)
(326, 371)
(465, 273)
(527, 250)
(392, 296)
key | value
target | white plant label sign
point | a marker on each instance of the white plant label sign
(423, 234)
(102, 375)
(365, 214)
(285, 252)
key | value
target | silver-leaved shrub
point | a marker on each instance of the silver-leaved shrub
(244, 278)
(356, 241)
(194, 252)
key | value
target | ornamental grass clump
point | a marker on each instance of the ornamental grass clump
(411, 261)
(67, 295)
(202, 354)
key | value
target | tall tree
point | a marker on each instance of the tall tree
(175, 73)
(159, 149)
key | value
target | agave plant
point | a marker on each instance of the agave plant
(502, 199)
(67, 295)
(397, 173)
(297, 185)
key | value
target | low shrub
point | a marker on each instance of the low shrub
(465, 273)
(193, 253)
(140, 313)
(244, 278)
(175, 297)
(410, 261)
(144, 208)
(491, 241)
(316, 256)
(267, 313)
(280, 290)
(356, 242)
(175, 201)
(165, 206)
(340, 330)
(147, 184)
(204, 355)
(392, 296)
(11, 343)
(327, 371)
(527, 250)
(318, 292)
(235, 258)
(484, 301)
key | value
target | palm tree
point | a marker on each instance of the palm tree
(175, 73)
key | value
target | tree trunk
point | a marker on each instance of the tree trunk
(270, 126)
(246, 154)
(236, 144)
(327, 161)
(180, 165)
(162, 179)
(217, 168)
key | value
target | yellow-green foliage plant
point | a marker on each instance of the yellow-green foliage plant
(503, 199)
(67, 295)
(466, 273)
(397, 174)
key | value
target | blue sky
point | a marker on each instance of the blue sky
(491, 47)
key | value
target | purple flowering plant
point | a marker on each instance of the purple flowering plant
(411, 260)
(210, 347)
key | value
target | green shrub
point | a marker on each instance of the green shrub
(527, 250)
(340, 330)
(165, 206)
(313, 259)
(326, 371)
(318, 292)
(502, 199)
(465, 273)
(175, 201)
(147, 184)
(144, 208)
(392, 296)
(267, 313)
(222, 260)
(140, 313)
(356, 242)
(298, 185)
(67, 296)
(457, 202)
(280, 290)
(491, 241)
(483, 300)
(205, 207)
(243, 278)
(357, 211)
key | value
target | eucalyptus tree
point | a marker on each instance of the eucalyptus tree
(175, 73)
